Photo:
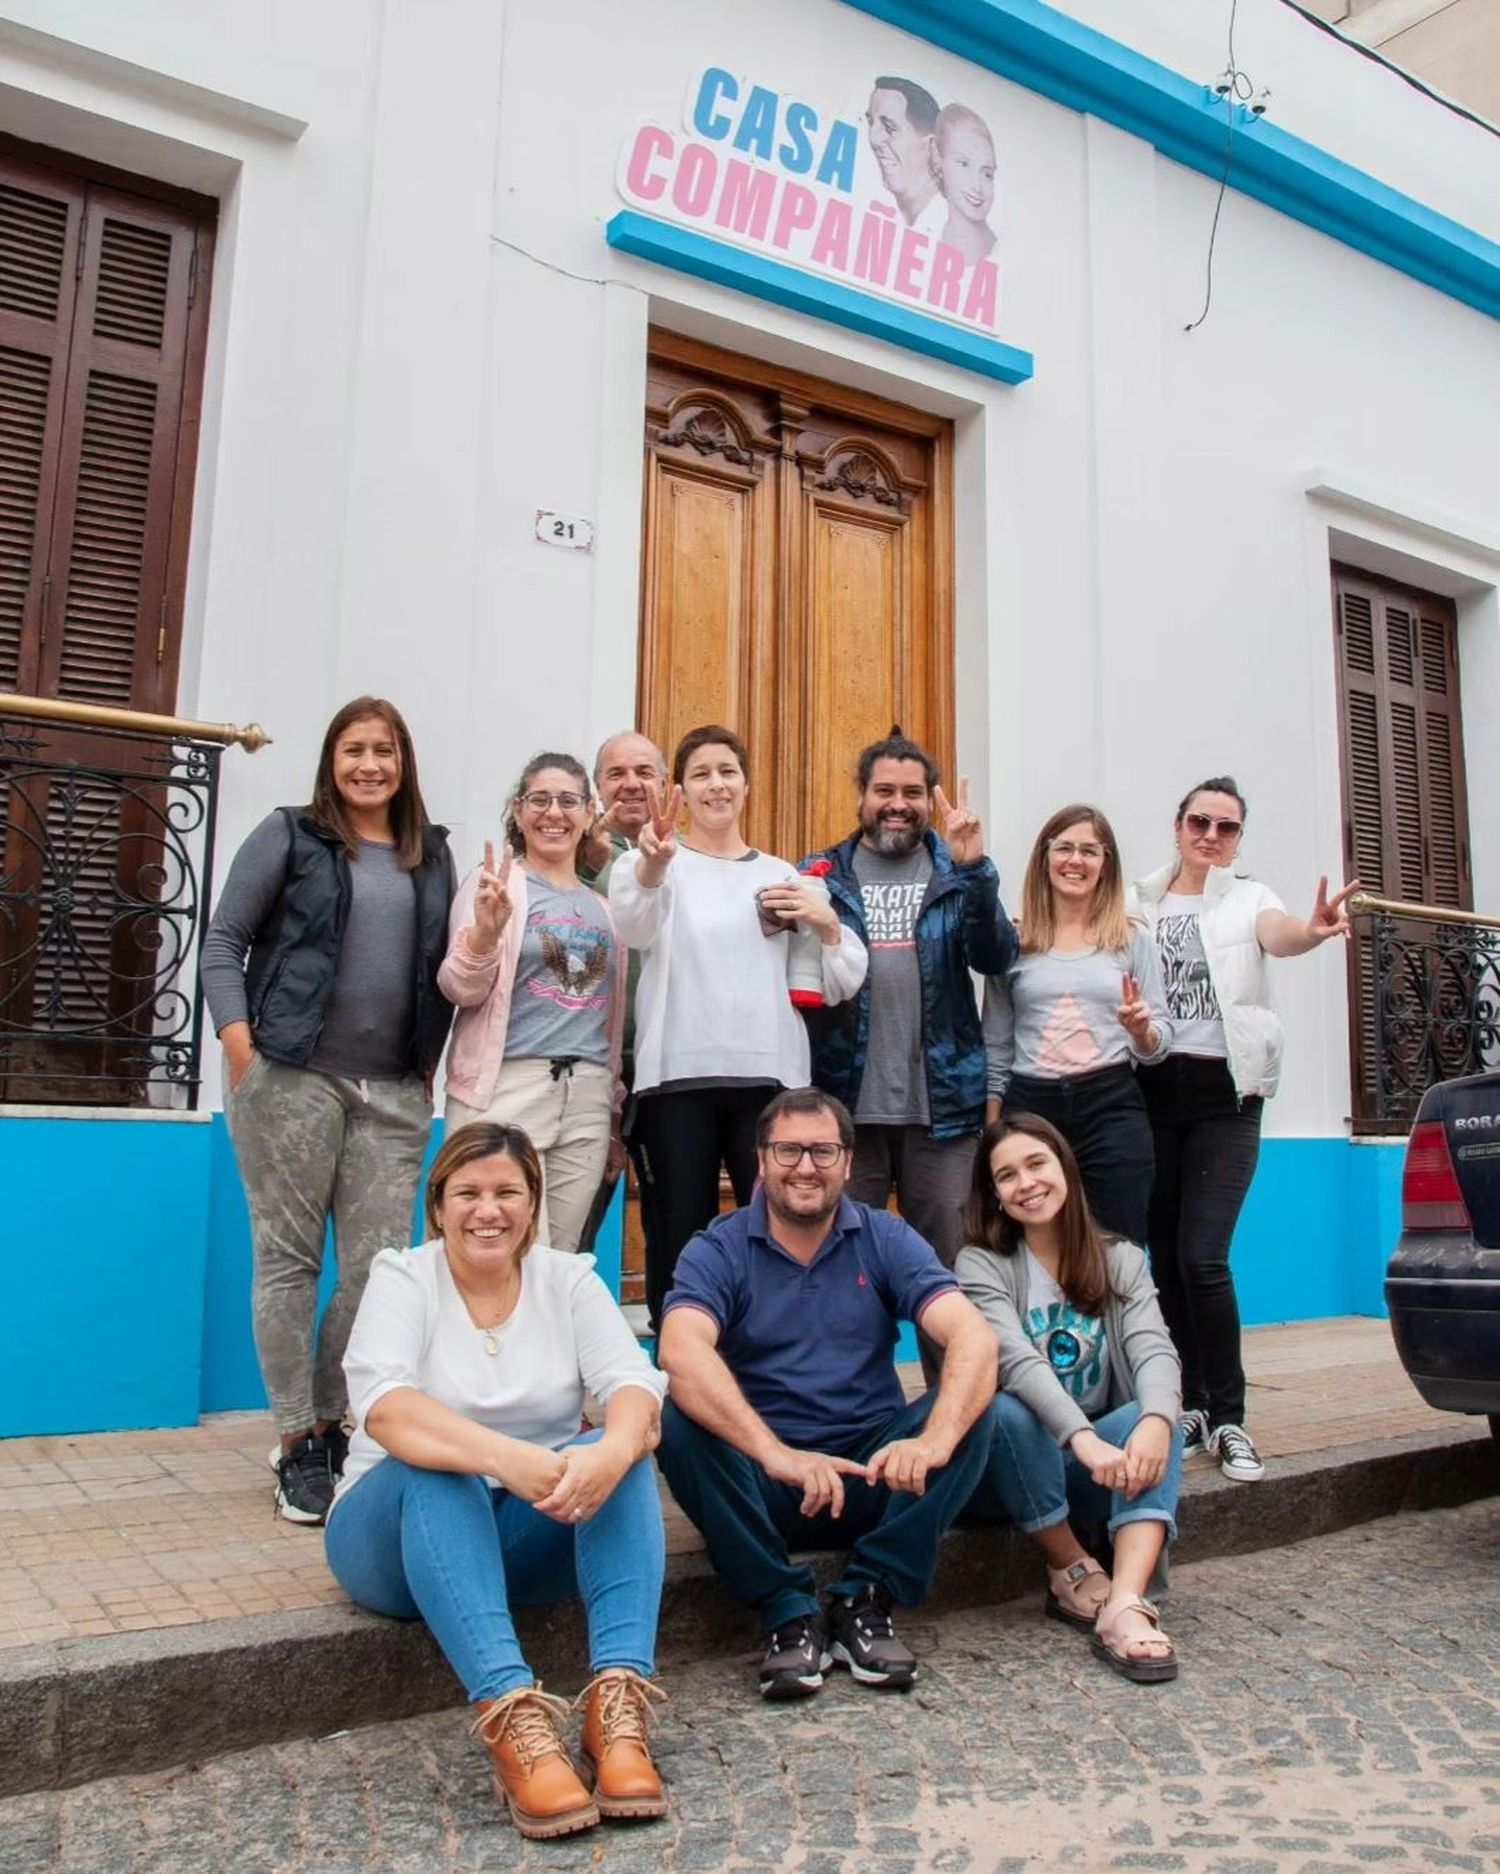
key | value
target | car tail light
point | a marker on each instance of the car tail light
(1430, 1197)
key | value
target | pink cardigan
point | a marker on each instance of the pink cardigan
(480, 989)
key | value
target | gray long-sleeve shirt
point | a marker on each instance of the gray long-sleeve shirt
(1052, 1015)
(1143, 1363)
(367, 1023)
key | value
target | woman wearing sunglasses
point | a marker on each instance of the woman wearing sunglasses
(1066, 1024)
(1214, 929)
(538, 978)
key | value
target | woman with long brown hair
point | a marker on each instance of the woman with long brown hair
(1066, 1024)
(320, 970)
(1085, 1422)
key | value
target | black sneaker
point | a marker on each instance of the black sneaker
(865, 1641)
(796, 1657)
(304, 1482)
(1195, 1429)
(337, 1441)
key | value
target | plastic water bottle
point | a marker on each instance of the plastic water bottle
(804, 953)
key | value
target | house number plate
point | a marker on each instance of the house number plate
(564, 530)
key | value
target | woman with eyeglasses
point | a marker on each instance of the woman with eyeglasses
(1213, 930)
(716, 1035)
(1066, 1024)
(538, 977)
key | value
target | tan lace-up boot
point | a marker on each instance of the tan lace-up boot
(534, 1775)
(617, 1744)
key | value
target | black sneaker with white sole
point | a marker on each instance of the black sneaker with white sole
(304, 1481)
(1194, 1427)
(1238, 1458)
(865, 1641)
(796, 1657)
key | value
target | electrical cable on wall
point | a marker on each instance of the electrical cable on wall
(1236, 87)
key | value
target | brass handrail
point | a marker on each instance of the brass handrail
(95, 716)
(1434, 913)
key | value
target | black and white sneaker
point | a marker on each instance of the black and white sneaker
(796, 1657)
(1236, 1452)
(1193, 1425)
(304, 1482)
(865, 1641)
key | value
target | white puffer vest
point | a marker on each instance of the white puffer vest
(1236, 968)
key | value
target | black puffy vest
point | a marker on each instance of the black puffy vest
(294, 960)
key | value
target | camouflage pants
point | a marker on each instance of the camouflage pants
(311, 1145)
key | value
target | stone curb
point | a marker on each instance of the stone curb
(75, 1710)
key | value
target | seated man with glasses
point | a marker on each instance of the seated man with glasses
(786, 1427)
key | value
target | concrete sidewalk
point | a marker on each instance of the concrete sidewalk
(154, 1609)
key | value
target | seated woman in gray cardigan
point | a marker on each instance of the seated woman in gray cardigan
(1090, 1388)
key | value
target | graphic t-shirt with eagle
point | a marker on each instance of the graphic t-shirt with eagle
(565, 976)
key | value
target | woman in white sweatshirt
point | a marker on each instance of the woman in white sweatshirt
(716, 1034)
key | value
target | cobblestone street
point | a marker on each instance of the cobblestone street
(1338, 1710)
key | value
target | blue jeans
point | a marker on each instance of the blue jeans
(750, 1521)
(446, 1548)
(1037, 1484)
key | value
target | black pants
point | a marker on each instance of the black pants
(1207, 1142)
(678, 1142)
(1103, 1118)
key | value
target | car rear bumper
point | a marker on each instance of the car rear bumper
(1444, 1300)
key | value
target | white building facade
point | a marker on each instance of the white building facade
(442, 259)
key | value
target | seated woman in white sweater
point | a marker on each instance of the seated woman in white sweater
(716, 1034)
(469, 1489)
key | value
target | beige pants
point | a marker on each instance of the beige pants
(567, 1118)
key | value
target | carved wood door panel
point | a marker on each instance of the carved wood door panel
(795, 578)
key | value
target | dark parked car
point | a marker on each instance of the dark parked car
(1443, 1283)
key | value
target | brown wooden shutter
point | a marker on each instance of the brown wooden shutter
(1406, 821)
(41, 223)
(102, 329)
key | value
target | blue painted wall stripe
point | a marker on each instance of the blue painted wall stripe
(686, 252)
(1061, 59)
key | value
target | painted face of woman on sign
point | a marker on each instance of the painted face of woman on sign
(966, 171)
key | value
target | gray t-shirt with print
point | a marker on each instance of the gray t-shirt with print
(1196, 1017)
(565, 976)
(893, 1088)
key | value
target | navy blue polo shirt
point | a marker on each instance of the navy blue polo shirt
(811, 1344)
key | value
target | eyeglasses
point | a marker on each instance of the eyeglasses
(788, 1153)
(1200, 825)
(1067, 849)
(539, 802)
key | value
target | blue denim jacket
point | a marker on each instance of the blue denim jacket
(962, 926)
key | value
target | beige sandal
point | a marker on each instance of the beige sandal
(1114, 1648)
(1067, 1599)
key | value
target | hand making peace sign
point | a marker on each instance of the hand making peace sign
(658, 838)
(1134, 1015)
(1329, 919)
(961, 829)
(491, 900)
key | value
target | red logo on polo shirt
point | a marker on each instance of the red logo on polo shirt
(863, 1279)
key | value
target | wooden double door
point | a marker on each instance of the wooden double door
(796, 578)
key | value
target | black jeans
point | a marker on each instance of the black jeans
(678, 1142)
(1103, 1118)
(1207, 1142)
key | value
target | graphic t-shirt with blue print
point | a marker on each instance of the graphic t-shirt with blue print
(1072, 1343)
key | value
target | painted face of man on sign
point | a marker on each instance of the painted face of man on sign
(901, 120)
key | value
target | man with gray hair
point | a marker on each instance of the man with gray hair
(626, 769)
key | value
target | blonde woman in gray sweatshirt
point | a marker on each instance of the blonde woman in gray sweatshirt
(1066, 1024)
(1085, 1421)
